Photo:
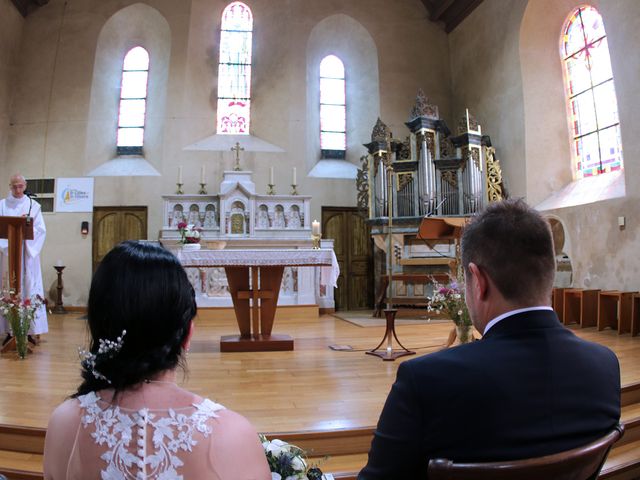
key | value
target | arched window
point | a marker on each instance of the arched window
(234, 70)
(133, 102)
(593, 108)
(333, 110)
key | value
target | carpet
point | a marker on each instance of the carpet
(363, 318)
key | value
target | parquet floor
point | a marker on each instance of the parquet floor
(311, 388)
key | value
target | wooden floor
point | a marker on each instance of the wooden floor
(311, 388)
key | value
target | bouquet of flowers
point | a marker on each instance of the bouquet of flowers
(20, 314)
(287, 462)
(450, 300)
(189, 233)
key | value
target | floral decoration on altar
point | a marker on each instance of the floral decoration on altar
(20, 314)
(288, 462)
(189, 233)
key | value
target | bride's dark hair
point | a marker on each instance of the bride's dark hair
(141, 288)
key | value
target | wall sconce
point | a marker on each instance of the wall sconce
(84, 228)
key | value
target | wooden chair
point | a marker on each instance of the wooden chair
(582, 463)
(581, 307)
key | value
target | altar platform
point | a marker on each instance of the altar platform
(327, 401)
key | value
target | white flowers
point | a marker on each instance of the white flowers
(286, 461)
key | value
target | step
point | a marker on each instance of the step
(623, 462)
(21, 466)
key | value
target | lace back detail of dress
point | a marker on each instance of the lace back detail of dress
(145, 444)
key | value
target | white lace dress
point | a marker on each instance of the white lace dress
(110, 442)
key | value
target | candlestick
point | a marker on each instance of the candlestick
(180, 175)
(294, 189)
(271, 188)
(202, 191)
(59, 307)
(179, 189)
(202, 175)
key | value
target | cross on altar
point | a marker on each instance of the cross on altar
(237, 149)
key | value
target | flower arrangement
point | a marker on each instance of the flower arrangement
(20, 314)
(449, 299)
(288, 462)
(189, 233)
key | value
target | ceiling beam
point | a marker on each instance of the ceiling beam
(25, 7)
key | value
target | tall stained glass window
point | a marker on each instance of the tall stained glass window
(234, 70)
(593, 108)
(333, 109)
(133, 102)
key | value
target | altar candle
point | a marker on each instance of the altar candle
(315, 227)
(271, 176)
(294, 176)
(202, 175)
(180, 174)
(59, 263)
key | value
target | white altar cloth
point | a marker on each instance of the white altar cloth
(307, 257)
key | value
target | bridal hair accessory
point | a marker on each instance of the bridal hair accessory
(107, 349)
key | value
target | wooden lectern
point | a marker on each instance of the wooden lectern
(16, 230)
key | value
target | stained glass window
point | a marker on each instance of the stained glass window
(333, 110)
(234, 70)
(593, 108)
(133, 102)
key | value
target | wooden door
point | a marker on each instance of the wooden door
(112, 225)
(354, 252)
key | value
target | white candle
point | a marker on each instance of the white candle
(271, 176)
(180, 174)
(59, 263)
(294, 176)
(315, 227)
(202, 175)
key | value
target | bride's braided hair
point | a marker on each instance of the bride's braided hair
(141, 288)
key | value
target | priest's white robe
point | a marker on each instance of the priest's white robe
(31, 272)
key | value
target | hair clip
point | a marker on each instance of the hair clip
(107, 348)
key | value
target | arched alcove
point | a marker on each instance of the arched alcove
(346, 38)
(135, 25)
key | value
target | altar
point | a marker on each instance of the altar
(254, 278)
(239, 219)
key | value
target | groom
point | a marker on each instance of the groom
(529, 388)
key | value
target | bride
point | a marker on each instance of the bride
(128, 418)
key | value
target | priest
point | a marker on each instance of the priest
(18, 204)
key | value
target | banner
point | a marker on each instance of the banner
(74, 194)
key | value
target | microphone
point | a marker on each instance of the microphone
(30, 194)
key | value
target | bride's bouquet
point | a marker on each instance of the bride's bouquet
(287, 462)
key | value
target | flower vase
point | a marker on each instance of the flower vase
(20, 329)
(191, 246)
(464, 333)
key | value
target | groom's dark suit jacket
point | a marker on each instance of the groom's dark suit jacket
(530, 387)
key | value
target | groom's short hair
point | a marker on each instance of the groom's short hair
(512, 242)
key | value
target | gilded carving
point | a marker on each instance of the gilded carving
(423, 108)
(381, 132)
(494, 175)
(468, 123)
(237, 223)
(475, 156)
(451, 177)
(446, 147)
(403, 179)
(404, 152)
(362, 183)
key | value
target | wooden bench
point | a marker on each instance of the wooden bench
(557, 302)
(635, 314)
(614, 310)
(580, 306)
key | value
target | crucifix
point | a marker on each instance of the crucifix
(237, 149)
